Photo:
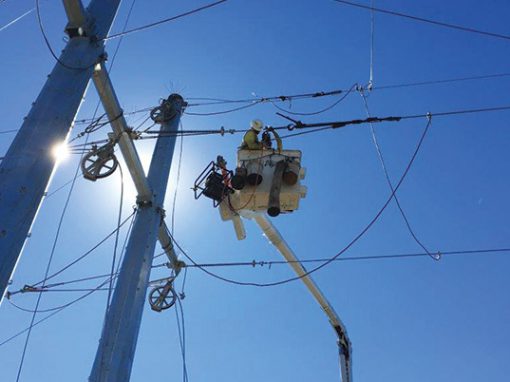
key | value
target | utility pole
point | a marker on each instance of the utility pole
(114, 357)
(26, 170)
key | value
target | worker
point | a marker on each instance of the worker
(250, 139)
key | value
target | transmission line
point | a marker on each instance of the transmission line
(270, 263)
(138, 29)
(388, 179)
(429, 21)
(10, 23)
(347, 247)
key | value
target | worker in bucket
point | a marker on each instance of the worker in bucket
(251, 139)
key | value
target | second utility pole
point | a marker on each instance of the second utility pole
(114, 357)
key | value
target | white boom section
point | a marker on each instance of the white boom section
(112, 107)
(344, 345)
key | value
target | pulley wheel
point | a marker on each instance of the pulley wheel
(96, 165)
(162, 297)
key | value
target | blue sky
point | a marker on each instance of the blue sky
(409, 319)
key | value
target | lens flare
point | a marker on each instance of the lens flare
(60, 151)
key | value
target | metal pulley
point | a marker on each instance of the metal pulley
(162, 297)
(99, 162)
(166, 110)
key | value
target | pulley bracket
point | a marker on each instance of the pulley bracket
(99, 162)
(162, 297)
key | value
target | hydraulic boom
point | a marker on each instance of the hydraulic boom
(344, 345)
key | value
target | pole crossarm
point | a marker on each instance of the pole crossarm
(28, 165)
(121, 130)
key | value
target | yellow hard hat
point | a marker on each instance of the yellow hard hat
(257, 125)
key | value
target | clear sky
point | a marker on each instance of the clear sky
(408, 319)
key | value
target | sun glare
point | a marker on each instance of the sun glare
(60, 151)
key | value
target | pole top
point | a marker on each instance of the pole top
(169, 108)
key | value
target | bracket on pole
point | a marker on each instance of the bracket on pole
(79, 23)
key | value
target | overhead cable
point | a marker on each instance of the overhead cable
(8, 131)
(117, 234)
(313, 95)
(429, 21)
(256, 100)
(388, 180)
(270, 263)
(16, 19)
(319, 111)
(49, 277)
(372, 33)
(441, 81)
(225, 111)
(343, 250)
(58, 308)
(47, 270)
(151, 25)
(306, 128)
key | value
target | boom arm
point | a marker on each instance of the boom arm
(344, 345)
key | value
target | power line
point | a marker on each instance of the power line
(181, 330)
(50, 260)
(75, 301)
(89, 292)
(138, 29)
(270, 263)
(225, 111)
(388, 180)
(443, 81)
(9, 131)
(303, 96)
(50, 287)
(340, 124)
(16, 19)
(86, 253)
(319, 111)
(349, 245)
(308, 127)
(279, 98)
(119, 221)
(429, 21)
(372, 33)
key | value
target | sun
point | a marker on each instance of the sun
(60, 151)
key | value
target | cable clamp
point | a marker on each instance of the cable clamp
(28, 288)
(140, 202)
(437, 256)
